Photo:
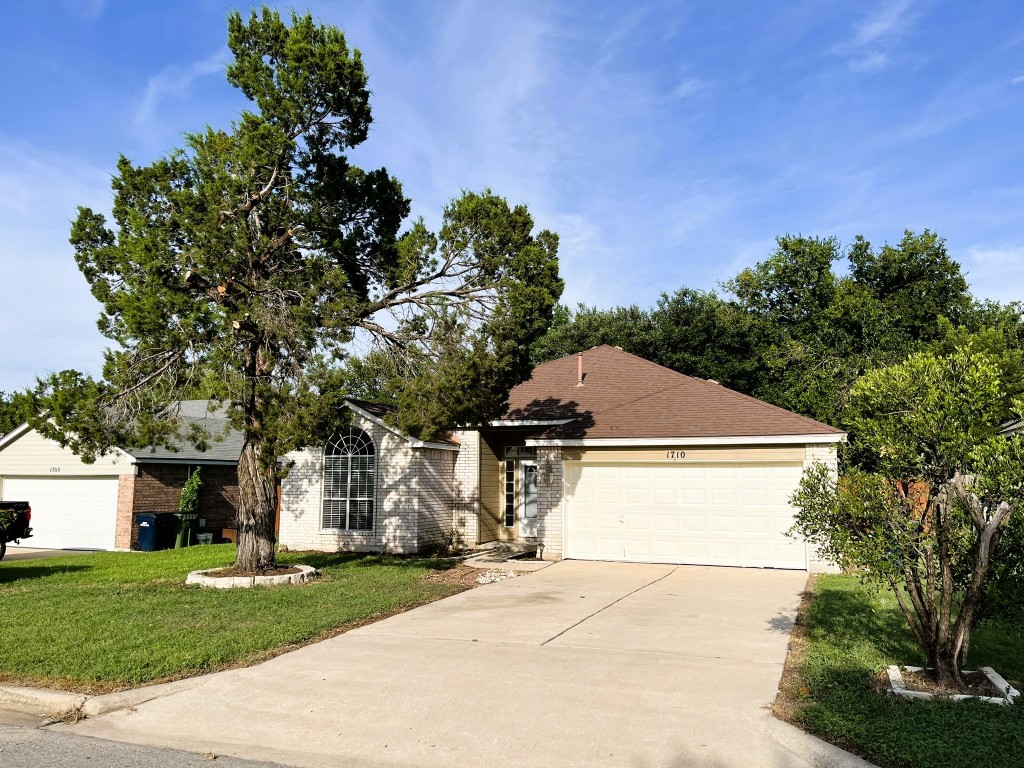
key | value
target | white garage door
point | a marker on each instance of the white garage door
(67, 512)
(701, 514)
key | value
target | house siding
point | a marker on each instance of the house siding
(32, 455)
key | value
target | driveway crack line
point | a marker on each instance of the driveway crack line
(606, 607)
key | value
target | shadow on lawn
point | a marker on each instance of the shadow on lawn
(851, 618)
(321, 560)
(12, 573)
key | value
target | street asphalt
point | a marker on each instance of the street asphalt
(28, 746)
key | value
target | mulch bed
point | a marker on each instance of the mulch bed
(459, 575)
(233, 571)
(975, 684)
(793, 690)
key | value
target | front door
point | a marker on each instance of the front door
(527, 498)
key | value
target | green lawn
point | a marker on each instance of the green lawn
(851, 635)
(113, 620)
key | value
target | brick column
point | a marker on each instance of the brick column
(125, 508)
(466, 488)
(549, 502)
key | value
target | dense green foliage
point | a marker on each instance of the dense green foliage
(247, 264)
(114, 620)
(188, 501)
(798, 330)
(852, 633)
(937, 491)
(11, 411)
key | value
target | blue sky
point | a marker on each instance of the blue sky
(667, 142)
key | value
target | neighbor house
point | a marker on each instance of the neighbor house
(601, 456)
(92, 506)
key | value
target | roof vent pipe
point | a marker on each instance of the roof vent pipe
(579, 369)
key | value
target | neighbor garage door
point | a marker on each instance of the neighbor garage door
(702, 514)
(67, 512)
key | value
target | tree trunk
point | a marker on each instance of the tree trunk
(257, 502)
(947, 666)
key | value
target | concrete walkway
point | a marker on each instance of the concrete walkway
(579, 664)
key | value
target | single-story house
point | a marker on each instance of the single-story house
(601, 456)
(92, 506)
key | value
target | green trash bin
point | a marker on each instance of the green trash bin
(186, 529)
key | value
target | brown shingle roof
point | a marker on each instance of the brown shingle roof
(625, 396)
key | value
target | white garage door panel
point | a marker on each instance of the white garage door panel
(67, 512)
(710, 514)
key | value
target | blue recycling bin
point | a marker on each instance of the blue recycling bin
(147, 531)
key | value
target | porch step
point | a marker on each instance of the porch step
(502, 551)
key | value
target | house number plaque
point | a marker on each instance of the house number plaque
(675, 455)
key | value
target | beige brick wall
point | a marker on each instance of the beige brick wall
(435, 471)
(413, 498)
(549, 502)
(466, 488)
(826, 454)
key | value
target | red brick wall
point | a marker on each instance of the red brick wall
(158, 489)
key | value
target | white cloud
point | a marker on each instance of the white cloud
(888, 20)
(175, 81)
(871, 46)
(687, 88)
(1017, 80)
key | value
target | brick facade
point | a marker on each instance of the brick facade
(413, 498)
(549, 502)
(466, 488)
(124, 527)
(157, 488)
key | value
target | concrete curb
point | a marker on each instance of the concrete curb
(112, 702)
(44, 702)
(816, 752)
(39, 701)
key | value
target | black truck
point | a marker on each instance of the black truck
(15, 517)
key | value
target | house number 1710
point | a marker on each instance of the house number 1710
(675, 455)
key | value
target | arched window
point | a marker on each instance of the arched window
(350, 475)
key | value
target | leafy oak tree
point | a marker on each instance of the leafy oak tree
(938, 491)
(248, 261)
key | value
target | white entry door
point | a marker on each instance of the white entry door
(701, 514)
(67, 512)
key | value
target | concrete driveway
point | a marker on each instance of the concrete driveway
(579, 664)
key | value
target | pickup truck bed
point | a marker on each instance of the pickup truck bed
(15, 517)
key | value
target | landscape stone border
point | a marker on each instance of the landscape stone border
(306, 573)
(898, 687)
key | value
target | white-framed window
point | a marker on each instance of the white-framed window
(510, 494)
(350, 481)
